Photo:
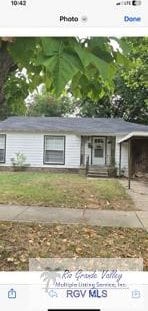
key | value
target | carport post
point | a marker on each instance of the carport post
(120, 149)
(129, 164)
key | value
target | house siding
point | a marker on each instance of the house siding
(32, 146)
(124, 155)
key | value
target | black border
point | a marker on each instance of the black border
(48, 163)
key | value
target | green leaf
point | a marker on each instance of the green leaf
(51, 46)
(62, 67)
(22, 50)
(106, 69)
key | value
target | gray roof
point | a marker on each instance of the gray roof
(83, 126)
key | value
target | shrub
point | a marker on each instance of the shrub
(19, 162)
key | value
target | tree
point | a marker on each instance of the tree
(15, 90)
(60, 63)
(131, 86)
(49, 106)
(107, 81)
(130, 97)
(95, 108)
(7, 66)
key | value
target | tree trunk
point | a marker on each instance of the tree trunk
(6, 67)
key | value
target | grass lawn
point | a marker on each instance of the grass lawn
(20, 241)
(62, 190)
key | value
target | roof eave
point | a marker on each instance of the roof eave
(133, 134)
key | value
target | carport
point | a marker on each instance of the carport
(137, 153)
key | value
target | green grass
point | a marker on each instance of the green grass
(62, 190)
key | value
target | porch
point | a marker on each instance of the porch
(97, 154)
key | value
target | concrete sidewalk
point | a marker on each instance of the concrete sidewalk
(128, 219)
(138, 193)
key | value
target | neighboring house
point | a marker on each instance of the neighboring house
(70, 143)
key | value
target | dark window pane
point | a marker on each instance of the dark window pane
(54, 156)
(98, 153)
(2, 155)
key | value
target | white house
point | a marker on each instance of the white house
(71, 143)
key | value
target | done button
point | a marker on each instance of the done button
(132, 19)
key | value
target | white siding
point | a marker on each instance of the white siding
(124, 155)
(72, 151)
(31, 145)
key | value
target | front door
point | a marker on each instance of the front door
(98, 151)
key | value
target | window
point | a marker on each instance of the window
(54, 150)
(2, 147)
(99, 153)
(99, 141)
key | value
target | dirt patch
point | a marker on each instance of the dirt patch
(18, 242)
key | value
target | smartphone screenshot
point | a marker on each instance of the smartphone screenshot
(73, 155)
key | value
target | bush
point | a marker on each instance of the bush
(19, 162)
(112, 171)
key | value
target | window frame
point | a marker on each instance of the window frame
(4, 160)
(44, 150)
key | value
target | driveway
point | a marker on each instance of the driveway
(138, 193)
